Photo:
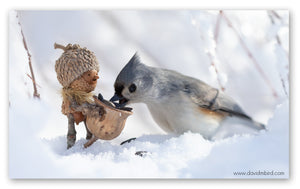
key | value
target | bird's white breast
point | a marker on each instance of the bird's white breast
(178, 115)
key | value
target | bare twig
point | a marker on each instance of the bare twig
(250, 55)
(35, 92)
(213, 50)
(217, 28)
(283, 86)
(216, 70)
(33, 80)
(273, 16)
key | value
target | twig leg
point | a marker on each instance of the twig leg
(88, 133)
(90, 142)
(71, 136)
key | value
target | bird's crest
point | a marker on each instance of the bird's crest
(132, 69)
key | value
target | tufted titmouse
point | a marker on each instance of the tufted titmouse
(180, 103)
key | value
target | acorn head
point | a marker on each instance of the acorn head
(74, 63)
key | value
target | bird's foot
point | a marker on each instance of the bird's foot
(127, 141)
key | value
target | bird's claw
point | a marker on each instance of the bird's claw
(127, 141)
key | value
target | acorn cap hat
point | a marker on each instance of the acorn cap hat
(73, 63)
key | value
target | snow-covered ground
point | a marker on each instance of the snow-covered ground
(244, 52)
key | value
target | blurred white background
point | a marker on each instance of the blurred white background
(221, 79)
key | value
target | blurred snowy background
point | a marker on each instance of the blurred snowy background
(244, 53)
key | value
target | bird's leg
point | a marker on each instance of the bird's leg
(88, 132)
(71, 136)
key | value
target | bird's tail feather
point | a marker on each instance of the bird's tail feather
(237, 126)
(257, 125)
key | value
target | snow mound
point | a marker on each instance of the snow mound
(160, 155)
(185, 156)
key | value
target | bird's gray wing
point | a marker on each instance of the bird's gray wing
(212, 99)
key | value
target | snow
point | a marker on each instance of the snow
(179, 40)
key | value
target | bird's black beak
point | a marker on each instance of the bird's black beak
(122, 100)
(115, 98)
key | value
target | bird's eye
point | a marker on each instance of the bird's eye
(132, 88)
